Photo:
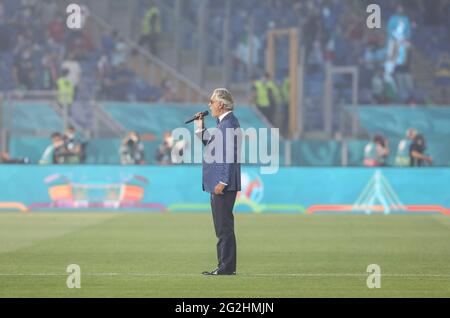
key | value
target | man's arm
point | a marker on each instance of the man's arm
(418, 155)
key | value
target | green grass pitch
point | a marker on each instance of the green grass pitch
(162, 255)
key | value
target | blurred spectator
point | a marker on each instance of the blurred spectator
(442, 77)
(24, 71)
(109, 42)
(151, 29)
(402, 157)
(372, 58)
(118, 83)
(376, 152)
(389, 68)
(275, 100)
(73, 71)
(316, 58)
(402, 73)
(330, 49)
(417, 152)
(242, 60)
(49, 74)
(260, 96)
(243, 48)
(168, 91)
(311, 28)
(399, 25)
(132, 150)
(378, 87)
(141, 91)
(56, 28)
(22, 43)
(120, 52)
(80, 46)
(66, 90)
(55, 48)
(355, 30)
(55, 152)
(103, 66)
(85, 13)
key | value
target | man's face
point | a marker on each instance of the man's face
(215, 107)
(57, 142)
(411, 133)
(70, 133)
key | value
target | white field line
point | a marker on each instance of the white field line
(238, 274)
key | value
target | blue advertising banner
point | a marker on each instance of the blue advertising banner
(178, 189)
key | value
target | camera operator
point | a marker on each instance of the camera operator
(132, 150)
(417, 152)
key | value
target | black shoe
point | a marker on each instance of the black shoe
(218, 272)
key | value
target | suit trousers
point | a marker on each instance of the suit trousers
(222, 212)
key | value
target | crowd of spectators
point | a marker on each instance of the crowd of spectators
(37, 50)
(329, 34)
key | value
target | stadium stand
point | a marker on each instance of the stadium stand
(33, 52)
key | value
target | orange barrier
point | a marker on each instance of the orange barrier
(376, 208)
(13, 206)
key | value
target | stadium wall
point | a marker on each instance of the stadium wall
(34, 188)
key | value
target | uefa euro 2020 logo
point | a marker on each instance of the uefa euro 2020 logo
(252, 188)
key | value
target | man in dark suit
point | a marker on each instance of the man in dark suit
(222, 175)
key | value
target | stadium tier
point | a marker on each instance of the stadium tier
(30, 117)
(158, 118)
(153, 120)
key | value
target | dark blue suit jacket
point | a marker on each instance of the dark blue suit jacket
(215, 172)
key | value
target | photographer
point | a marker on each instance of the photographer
(163, 153)
(170, 151)
(55, 153)
(74, 147)
(132, 150)
(376, 152)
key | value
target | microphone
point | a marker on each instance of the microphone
(196, 116)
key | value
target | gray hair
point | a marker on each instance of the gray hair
(224, 96)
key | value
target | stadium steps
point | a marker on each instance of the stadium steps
(423, 70)
(151, 68)
(188, 64)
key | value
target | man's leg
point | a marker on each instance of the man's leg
(222, 206)
(216, 220)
